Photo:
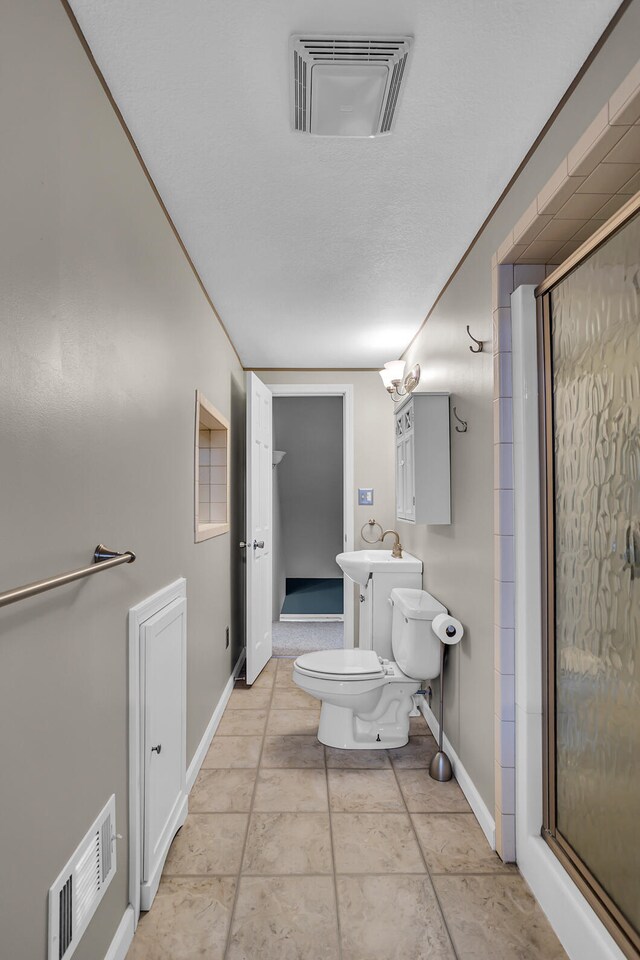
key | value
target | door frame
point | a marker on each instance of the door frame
(137, 616)
(620, 929)
(345, 391)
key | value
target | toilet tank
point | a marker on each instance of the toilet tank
(416, 649)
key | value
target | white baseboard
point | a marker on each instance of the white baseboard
(468, 787)
(121, 942)
(201, 752)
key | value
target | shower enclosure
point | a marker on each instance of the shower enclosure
(589, 336)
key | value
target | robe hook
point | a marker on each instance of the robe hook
(480, 343)
(465, 425)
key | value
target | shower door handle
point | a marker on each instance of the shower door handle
(631, 553)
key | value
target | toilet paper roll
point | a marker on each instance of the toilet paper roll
(447, 628)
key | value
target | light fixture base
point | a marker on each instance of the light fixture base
(412, 379)
(400, 389)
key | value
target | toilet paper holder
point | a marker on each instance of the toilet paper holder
(449, 631)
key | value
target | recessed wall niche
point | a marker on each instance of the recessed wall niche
(211, 471)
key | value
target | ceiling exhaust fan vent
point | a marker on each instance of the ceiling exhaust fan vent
(346, 86)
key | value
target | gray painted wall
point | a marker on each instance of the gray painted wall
(309, 430)
(105, 337)
(279, 579)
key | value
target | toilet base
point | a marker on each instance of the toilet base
(340, 727)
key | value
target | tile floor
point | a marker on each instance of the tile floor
(293, 851)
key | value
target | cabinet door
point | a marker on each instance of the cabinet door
(409, 479)
(162, 657)
(400, 482)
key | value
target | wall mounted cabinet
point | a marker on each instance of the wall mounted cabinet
(423, 460)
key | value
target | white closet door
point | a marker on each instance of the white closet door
(163, 649)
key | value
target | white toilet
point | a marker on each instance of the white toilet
(366, 700)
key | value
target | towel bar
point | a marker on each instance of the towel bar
(103, 559)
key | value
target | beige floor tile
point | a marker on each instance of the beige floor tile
(418, 727)
(291, 790)
(280, 843)
(425, 795)
(391, 917)
(454, 843)
(248, 698)
(189, 920)
(293, 751)
(417, 753)
(375, 843)
(209, 843)
(233, 752)
(222, 791)
(496, 918)
(357, 759)
(353, 791)
(284, 675)
(266, 678)
(286, 698)
(285, 918)
(242, 723)
(293, 722)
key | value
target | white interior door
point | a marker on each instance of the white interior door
(163, 644)
(259, 508)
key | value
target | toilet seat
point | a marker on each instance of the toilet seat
(350, 664)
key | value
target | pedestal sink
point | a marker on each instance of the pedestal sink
(359, 565)
(376, 572)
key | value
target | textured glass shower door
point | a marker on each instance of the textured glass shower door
(591, 324)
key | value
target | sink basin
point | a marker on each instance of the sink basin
(359, 564)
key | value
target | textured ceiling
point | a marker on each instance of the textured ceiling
(325, 252)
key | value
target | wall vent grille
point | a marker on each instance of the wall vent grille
(300, 92)
(364, 52)
(81, 885)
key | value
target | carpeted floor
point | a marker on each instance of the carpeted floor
(314, 596)
(294, 637)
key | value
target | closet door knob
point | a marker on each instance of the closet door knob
(157, 749)
(258, 544)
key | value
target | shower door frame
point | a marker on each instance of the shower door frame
(627, 938)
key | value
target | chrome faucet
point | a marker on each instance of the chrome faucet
(396, 551)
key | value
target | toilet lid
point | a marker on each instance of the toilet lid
(354, 663)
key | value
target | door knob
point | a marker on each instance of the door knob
(157, 749)
(258, 544)
(243, 545)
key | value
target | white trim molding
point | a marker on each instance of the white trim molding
(344, 390)
(208, 735)
(119, 946)
(468, 787)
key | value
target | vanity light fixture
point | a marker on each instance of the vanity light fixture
(397, 385)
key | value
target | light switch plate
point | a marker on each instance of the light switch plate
(365, 496)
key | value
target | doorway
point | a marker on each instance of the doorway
(312, 518)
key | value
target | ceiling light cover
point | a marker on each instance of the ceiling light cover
(346, 86)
